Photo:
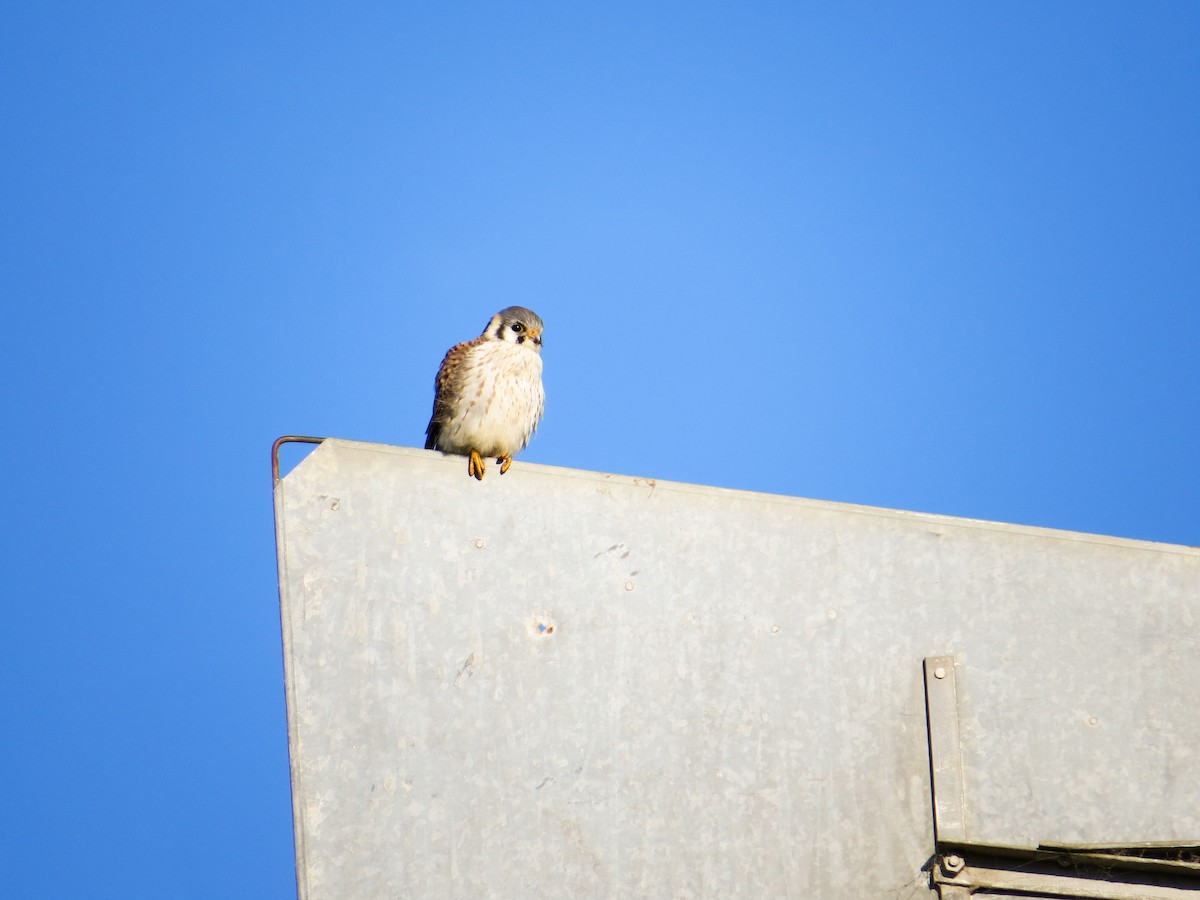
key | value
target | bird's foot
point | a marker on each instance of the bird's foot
(505, 460)
(476, 467)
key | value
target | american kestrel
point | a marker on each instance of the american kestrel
(488, 394)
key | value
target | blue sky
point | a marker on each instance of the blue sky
(942, 257)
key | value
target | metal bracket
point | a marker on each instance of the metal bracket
(945, 751)
(959, 872)
(962, 867)
(287, 439)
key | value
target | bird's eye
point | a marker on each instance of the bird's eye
(517, 327)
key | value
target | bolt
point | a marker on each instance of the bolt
(939, 672)
(953, 863)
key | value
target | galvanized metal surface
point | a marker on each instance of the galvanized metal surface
(560, 683)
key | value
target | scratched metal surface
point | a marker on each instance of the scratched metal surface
(567, 684)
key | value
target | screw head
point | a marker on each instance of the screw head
(939, 672)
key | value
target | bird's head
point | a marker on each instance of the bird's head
(517, 325)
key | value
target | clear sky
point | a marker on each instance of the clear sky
(939, 256)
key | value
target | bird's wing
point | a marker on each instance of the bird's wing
(444, 393)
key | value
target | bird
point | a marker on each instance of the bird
(488, 394)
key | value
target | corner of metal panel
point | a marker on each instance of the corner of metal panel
(288, 439)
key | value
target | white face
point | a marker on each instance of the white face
(517, 332)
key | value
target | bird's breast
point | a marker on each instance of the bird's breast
(498, 400)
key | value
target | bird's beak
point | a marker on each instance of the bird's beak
(536, 335)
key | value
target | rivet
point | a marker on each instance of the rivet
(479, 543)
(629, 585)
(939, 672)
(1093, 721)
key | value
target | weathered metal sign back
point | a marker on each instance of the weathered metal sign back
(568, 684)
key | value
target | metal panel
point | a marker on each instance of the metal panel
(562, 683)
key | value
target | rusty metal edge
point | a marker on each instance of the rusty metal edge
(288, 439)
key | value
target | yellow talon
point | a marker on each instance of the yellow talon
(505, 460)
(476, 467)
